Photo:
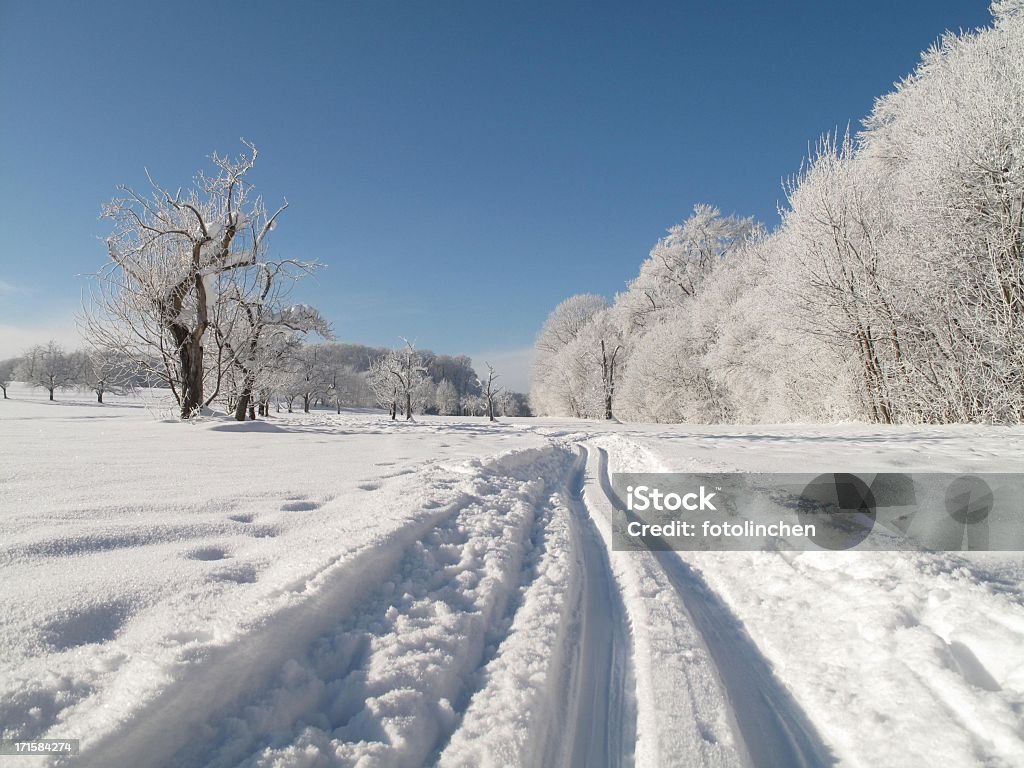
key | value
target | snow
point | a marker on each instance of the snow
(322, 590)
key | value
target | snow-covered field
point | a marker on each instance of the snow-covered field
(321, 590)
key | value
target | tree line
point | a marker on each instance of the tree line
(329, 374)
(892, 290)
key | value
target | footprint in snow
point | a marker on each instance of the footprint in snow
(82, 626)
(246, 518)
(240, 574)
(300, 506)
(399, 473)
(206, 553)
(368, 486)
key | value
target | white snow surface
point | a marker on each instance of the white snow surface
(343, 590)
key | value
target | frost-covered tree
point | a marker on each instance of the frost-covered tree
(561, 378)
(49, 367)
(514, 404)
(101, 371)
(347, 387)
(682, 260)
(384, 382)
(892, 291)
(948, 142)
(397, 377)
(446, 398)
(411, 372)
(310, 377)
(489, 391)
(257, 324)
(457, 369)
(472, 405)
(837, 224)
(172, 257)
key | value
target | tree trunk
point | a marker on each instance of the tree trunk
(305, 403)
(190, 356)
(408, 406)
(245, 399)
(490, 410)
(252, 412)
(51, 393)
(394, 410)
(99, 395)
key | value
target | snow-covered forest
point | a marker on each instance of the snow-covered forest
(892, 291)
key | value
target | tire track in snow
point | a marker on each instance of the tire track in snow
(602, 696)
(771, 725)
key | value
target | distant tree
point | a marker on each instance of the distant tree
(446, 398)
(310, 379)
(472, 405)
(513, 404)
(489, 392)
(48, 366)
(101, 371)
(346, 387)
(457, 369)
(425, 396)
(261, 321)
(410, 372)
(384, 381)
(7, 368)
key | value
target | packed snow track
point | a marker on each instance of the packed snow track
(603, 698)
(774, 731)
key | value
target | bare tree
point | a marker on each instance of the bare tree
(411, 373)
(48, 366)
(7, 368)
(609, 354)
(254, 335)
(101, 371)
(488, 391)
(396, 377)
(172, 256)
(310, 378)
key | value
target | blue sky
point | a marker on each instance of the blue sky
(460, 167)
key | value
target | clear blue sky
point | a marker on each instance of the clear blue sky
(459, 166)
